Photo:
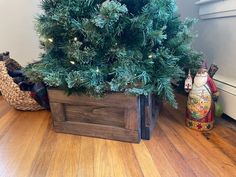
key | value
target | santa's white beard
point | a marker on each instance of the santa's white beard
(200, 81)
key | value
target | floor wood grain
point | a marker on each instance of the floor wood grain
(30, 148)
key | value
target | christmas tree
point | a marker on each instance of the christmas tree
(100, 46)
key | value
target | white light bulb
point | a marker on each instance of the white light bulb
(50, 40)
(72, 62)
(75, 39)
(97, 70)
(150, 56)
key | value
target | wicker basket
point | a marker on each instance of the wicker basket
(11, 92)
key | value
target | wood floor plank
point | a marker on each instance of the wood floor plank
(40, 164)
(173, 155)
(7, 121)
(71, 164)
(132, 165)
(4, 107)
(221, 143)
(15, 142)
(192, 159)
(86, 160)
(209, 153)
(102, 159)
(205, 140)
(24, 166)
(226, 131)
(57, 161)
(161, 161)
(145, 160)
(117, 161)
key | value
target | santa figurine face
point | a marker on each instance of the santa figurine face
(201, 77)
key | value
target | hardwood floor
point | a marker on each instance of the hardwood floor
(30, 148)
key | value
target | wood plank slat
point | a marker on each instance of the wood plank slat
(96, 115)
(101, 131)
(113, 99)
(58, 112)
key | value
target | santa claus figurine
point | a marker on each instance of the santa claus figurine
(200, 112)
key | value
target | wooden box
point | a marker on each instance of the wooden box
(115, 116)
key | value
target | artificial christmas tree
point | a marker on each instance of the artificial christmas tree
(96, 47)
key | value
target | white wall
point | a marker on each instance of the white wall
(216, 39)
(17, 33)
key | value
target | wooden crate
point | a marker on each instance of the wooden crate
(115, 116)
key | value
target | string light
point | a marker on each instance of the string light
(75, 39)
(97, 70)
(72, 62)
(50, 40)
(150, 56)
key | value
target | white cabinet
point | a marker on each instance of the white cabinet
(216, 8)
(227, 89)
